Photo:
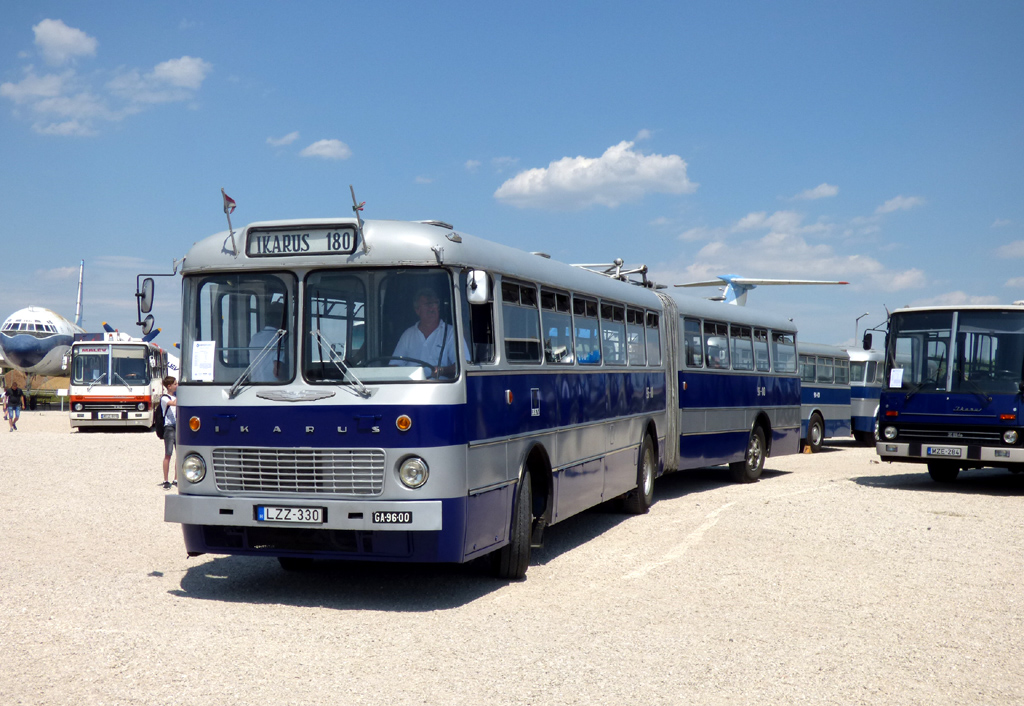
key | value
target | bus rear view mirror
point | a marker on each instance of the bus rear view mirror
(147, 325)
(478, 286)
(65, 361)
(867, 340)
(146, 296)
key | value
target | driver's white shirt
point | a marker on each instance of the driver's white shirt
(413, 344)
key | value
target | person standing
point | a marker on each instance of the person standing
(15, 401)
(168, 408)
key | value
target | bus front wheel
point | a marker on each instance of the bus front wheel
(943, 472)
(639, 500)
(749, 469)
(512, 560)
(815, 433)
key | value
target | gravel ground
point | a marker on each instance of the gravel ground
(833, 580)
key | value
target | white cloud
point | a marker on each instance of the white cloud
(472, 165)
(68, 128)
(58, 273)
(900, 203)
(502, 164)
(327, 149)
(1015, 282)
(60, 43)
(957, 298)
(821, 191)
(1012, 250)
(642, 135)
(1001, 223)
(786, 221)
(424, 180)
(69, 104)
(618, 176)
(282, 141)
(169, 82)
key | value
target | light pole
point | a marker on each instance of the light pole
(856, 325)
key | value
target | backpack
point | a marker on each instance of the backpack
(158, 417)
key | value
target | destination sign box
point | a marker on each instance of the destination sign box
(301, 241)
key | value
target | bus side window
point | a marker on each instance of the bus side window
(742, 350)
(521, 327)
(557, 322)
(842, 371)
(693, 344)
(613, 333)
(636, 348)
(716, 342)
(825, 368)
(479, 319)
(761, 357)
(784, 351)
(588, 345)
(653, 339)
(807, 373)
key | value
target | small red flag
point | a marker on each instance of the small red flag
(229, 203)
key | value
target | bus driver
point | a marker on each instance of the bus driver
(430, 340)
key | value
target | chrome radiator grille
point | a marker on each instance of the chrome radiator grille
(313, 471)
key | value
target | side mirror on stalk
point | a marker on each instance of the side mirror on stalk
(478, 286)
(146, 296)
(867, 340)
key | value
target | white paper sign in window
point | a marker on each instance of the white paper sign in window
(896, 377)
(203, 353)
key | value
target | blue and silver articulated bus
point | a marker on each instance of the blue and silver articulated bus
(824, 393)
(953, 385)
(867, 373)
(401, 391)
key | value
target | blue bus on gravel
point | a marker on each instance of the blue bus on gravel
(402, 391)
(824, 393)
(954, 377)
(867, 375)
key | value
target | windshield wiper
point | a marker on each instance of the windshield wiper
(123, 381)
(977, 389)
(95, 381)
(278, 335)
(339, 363)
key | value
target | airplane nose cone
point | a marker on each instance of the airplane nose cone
(23, 351)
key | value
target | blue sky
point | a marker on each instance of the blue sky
(876, 142)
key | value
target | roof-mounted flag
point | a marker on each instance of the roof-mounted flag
(229, 203)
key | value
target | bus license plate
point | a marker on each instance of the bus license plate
(298, 515)
(110, 415)
(392, 518)
(943, 451)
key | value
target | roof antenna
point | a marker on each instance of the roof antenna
(356, 208)
(229, 206)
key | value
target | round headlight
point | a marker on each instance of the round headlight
(78, 406)
(141, 406)
(193, 467)
(890, 433)
(413, 472)
(1010, 436)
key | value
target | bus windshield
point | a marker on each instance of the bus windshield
(358, 326)
(379, 325)
(987, 351)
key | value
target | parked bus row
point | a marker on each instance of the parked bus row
(400, 391)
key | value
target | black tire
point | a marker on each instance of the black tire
(512, 560)
(749, 469)
(295, 563)
(943, 472)
(639, 500)
(815, 433)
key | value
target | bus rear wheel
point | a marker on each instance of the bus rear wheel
(815, 433)
(512, 560)
(749, 469)
(639, 500)
(943, 472)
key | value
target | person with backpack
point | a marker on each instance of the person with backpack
(15, 401)
(166, 429)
